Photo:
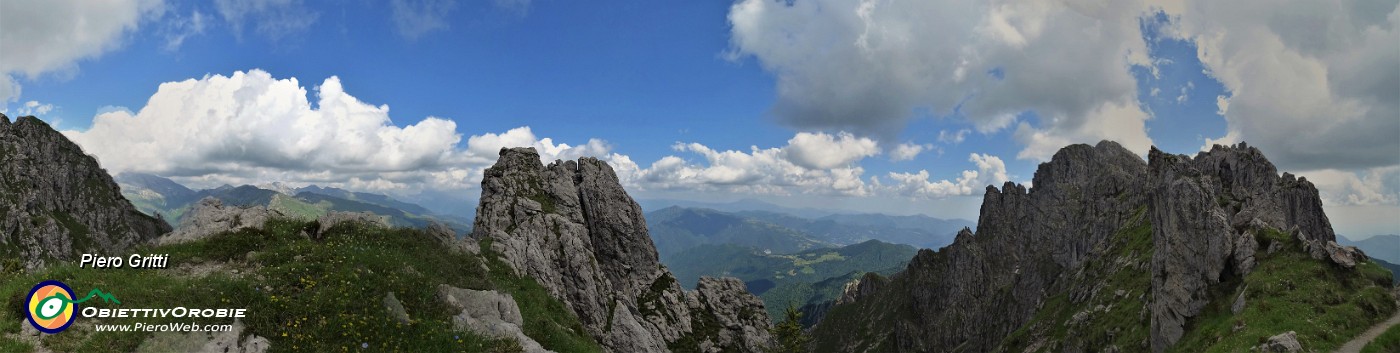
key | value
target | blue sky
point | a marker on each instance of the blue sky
(963, 87)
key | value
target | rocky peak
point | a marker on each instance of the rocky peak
(56, 201)
(572, 227)
(1205, 211)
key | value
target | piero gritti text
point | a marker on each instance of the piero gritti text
(133, 261)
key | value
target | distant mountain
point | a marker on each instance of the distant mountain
(738, 206)
(365, 197)
(810, 277)
(844, 229)
(157, 195)
(1384, 247)
(1394, 270)
(678, 229)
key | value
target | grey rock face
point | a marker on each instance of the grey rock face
(56, 201)
(1284, 342)
(1029, 245)
(489, 313)
(1205, 211)
(970, 295)
(572, 227)
(210, 217)
(444, 235)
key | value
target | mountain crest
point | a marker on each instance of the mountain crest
(571, 226)
(56, 202)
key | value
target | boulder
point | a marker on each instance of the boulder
(1281, 343)
(209, 217)
(489, 313)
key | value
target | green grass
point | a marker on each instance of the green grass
(304, 295)
(295, 208)
(1118, 322)
(1290, 291)
(1388, 342)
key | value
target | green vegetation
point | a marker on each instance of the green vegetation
(1289, 291)
(805, 278)
(789, 334)
(1387, 342)
(306, 295)
(1110, 316)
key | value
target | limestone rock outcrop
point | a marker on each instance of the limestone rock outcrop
(489, 313)
(572, 227)
(1205, 211)
(1034, 246)
(56, 201)
(210, 216)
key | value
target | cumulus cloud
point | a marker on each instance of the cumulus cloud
(1314, 84)
(41, 37)
(823, 151)
(273, 19)
(865, 66)
(907, 151)
(414, 18)
(250, 128)
(953, 138)
(990, 171)
(1376, 186)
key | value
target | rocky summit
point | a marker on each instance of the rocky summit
(56, 202)
(1109, 252)
(571, 226)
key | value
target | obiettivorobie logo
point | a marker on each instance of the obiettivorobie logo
(53, 306)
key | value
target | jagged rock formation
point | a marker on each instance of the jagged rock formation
(56, 202)
(210, 217)
(572, 227)
(334, 218)
(488, 313)
(1095, 212)
(1205, 211)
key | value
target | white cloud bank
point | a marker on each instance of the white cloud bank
(39, 37)
(865, 66)
(250, 127)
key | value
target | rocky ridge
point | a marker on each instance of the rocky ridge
(572, 227)
(56, 201)
(1057, 244)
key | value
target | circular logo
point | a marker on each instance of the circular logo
(51, 306)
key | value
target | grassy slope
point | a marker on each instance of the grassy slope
(1387, 342)
(305, 295)
(1290, 291)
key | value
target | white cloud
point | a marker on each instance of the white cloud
(250, 128)
(273, 19)
(823, 151)
(1376, 186)
(41, 37)
(34, 108)
(953, 137)
(1313, 84)
(414, 18)
(864, 66)
(908, 150)
(1124, 123)
(177, 29)
(990, 171)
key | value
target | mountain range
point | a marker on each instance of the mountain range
(154, 195)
